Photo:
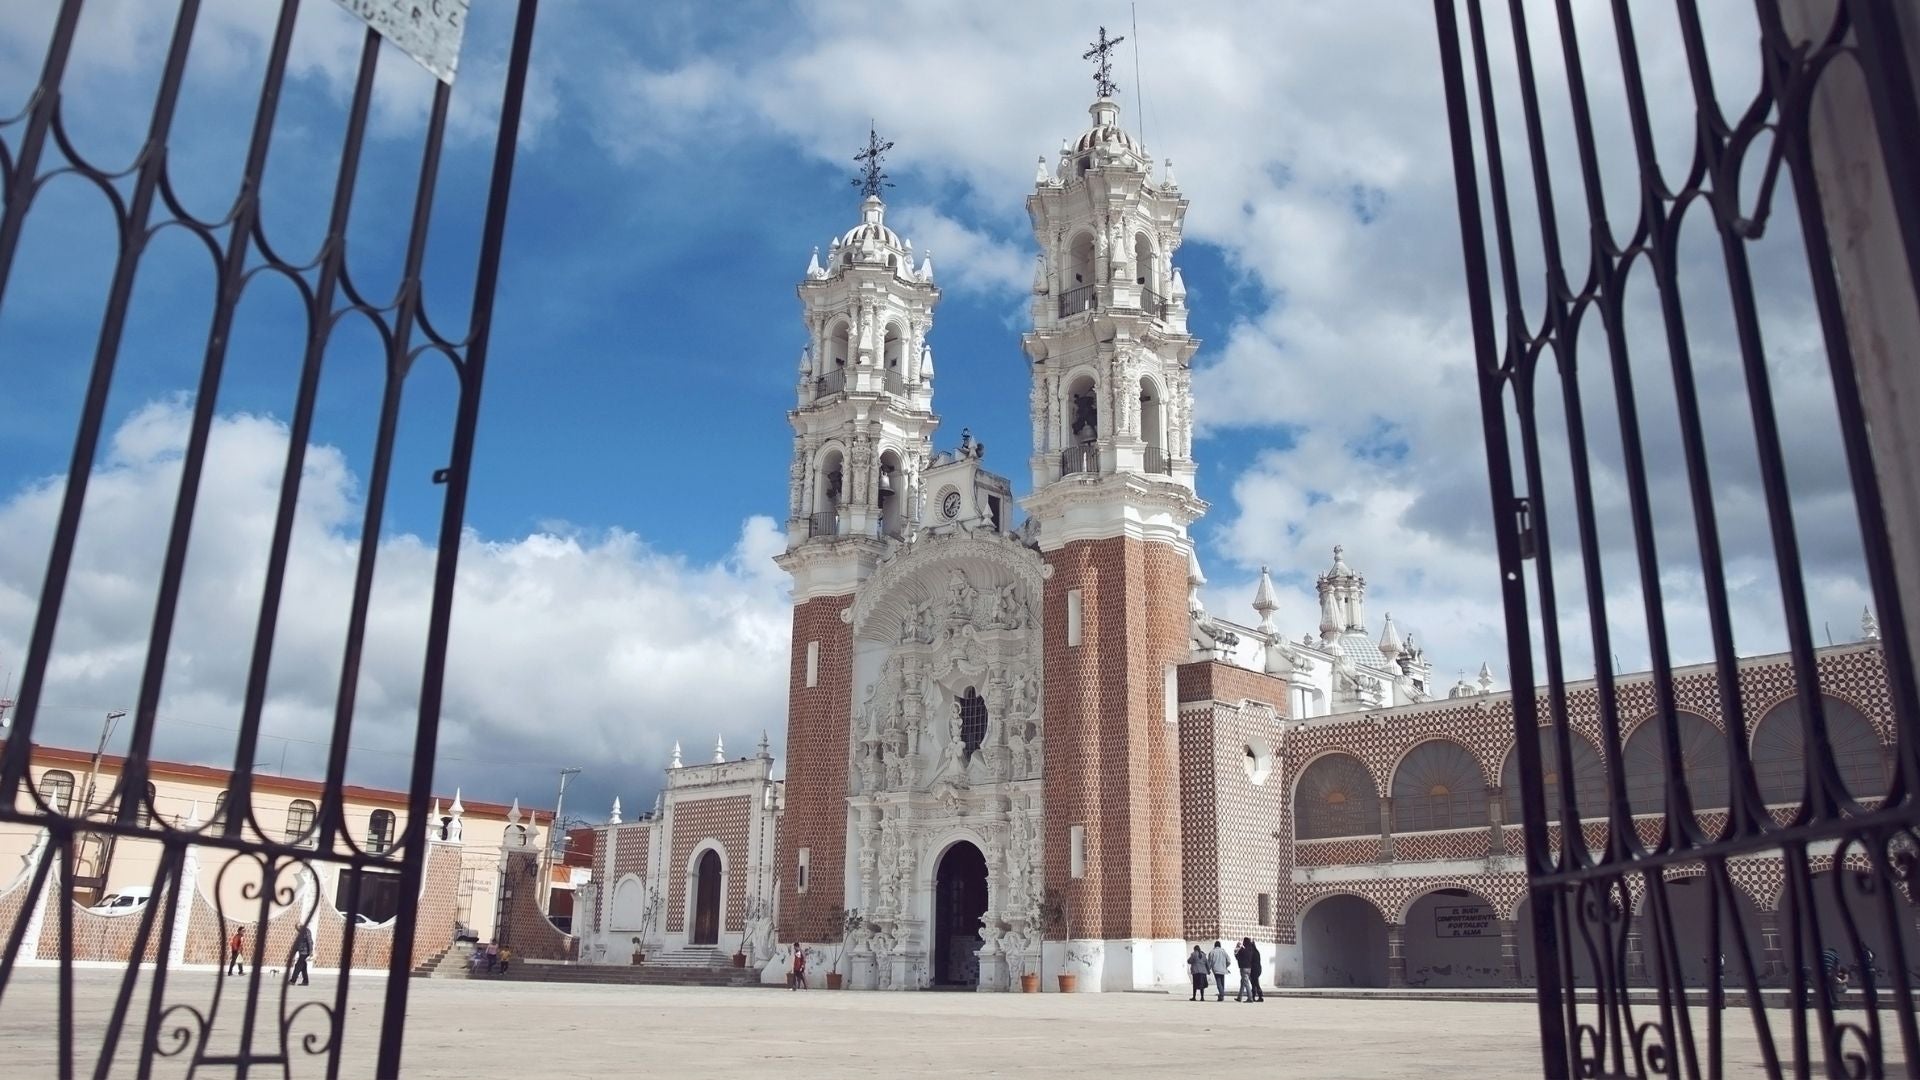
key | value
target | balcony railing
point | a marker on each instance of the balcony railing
(831, 383)
(895, 382)
(824, 523)
(1153, 303)
(1075, 301)
(1158, 462)
(1079, 459)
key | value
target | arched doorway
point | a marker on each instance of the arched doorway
(959, 902)
(1583, 948)
(1452, 938)
(706, 900)
(1343, 942)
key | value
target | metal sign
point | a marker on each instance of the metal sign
(427, 30)
(1463, 920)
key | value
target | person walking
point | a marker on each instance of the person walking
(1245, 993)
(1250, 970)
(798, 980)
(1197, 967)
(302, 951)
(1221, 963)
(238, 948)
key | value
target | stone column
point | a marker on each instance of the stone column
(1396, 954)
(1510, 951)
(1386, 829)
(1496, 814)
(1875, 275)
(1636, 960)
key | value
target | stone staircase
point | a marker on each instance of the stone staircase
(696, 966)
(452, 963)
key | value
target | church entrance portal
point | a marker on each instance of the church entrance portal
(959, 902)
(706, 900)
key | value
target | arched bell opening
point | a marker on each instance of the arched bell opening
(828, 495)
(1153, 427)
(889, 482)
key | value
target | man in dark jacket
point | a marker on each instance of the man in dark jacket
(302, 951)
(1250, 967)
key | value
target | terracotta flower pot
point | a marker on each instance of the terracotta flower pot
(639, 958)
(740, 959)
(1068, 982)
(1029, 983)
(833, 980)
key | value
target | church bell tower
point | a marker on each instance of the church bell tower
(862, 437)
(1113, 478)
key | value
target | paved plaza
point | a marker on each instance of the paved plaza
(512, 1029)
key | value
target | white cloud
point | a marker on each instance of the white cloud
(965, 259)
(566, 647)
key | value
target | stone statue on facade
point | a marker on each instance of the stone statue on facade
(1009, 612)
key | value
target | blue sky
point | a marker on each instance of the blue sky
(677, 167)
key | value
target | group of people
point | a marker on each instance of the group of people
(1246, 956)
(296, 960)
(490, 959)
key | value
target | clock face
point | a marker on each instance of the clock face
(950, 504)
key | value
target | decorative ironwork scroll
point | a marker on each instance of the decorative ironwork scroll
(249, 1024)
(1629, 986)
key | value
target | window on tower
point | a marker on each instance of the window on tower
(973, 721)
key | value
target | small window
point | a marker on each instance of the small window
(813, 663)
(219, 808)
(1266, 909)
(300, 815)
(1077, 851)
(56, 788)
(1073, 617)
(380, 832)
(973, 720)
(806, 863)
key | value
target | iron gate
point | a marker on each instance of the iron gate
(257, 1026)
(1599, 905)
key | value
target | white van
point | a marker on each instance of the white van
(123, 901)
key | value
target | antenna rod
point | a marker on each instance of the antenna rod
(1134, 14)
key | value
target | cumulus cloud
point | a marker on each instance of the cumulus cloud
(568, 647)
(968, 260)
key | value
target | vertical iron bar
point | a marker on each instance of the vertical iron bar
(453, 511)
(26, 166)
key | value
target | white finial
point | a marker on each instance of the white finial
(1264, 601)
(1390, 646)
(435, 816)
(719, 750)
(926, 267)
(659, 802)
(1869, 626)
(1486, 678)
(1171, 182)
(1179, 285)
(456, 809)
(1040, 174)
(614, 819)
(766, 746)
(813, 265)
(926, 363)
(676, 755)
(193, 814)
(513, 815)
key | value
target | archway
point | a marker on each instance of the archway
(706, 900)
(1583, 949)
(959, 903)
(1452, 938)
(1689, 904)
(1343, 942)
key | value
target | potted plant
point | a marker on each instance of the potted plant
(639, 953)
(844, 922)
(1057, 918)
(1029, 982)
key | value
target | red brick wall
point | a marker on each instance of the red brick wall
(1112, 758)
(817, 749)
(725, 820)
(528, 933)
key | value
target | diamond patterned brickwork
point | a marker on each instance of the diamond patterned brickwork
(631, 844)
(529, 933)
(817, 749)
(694, 822)
(1112, 758)
(1230, 811)
(1393, 896)
(1485, 726)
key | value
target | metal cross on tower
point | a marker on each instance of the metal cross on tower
(1100, 53)
(871, 178)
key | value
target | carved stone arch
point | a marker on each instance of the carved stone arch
(1486, 774)
(916, 575)
(1301, 907)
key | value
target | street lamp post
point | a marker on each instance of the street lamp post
(93, 770)
(545, 896)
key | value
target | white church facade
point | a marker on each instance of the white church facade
(1021, 745)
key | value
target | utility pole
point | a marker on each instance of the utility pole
(93, 771)
(546, 854)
